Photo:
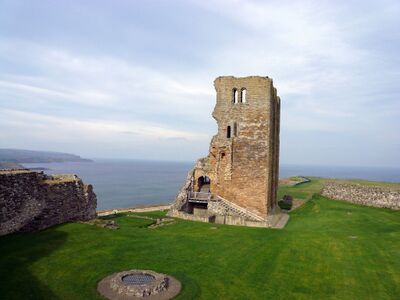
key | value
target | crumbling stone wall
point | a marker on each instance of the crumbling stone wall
(376, 196)
(33, 201)
(182, 196)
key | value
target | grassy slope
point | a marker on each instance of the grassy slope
(329, 250)
(303, 191)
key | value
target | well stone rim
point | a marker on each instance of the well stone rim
(162, 287)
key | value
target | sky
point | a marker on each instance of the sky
(134, 79)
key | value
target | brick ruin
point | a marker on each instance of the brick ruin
(238, 179)
(32, 201)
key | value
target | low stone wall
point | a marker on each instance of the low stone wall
(224, 219)
(33, 201)
(239, 221)
(185, 216)
(363, 194)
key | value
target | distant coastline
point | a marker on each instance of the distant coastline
(20, 156)
(38, 169)
(15, 166)
(10, 165)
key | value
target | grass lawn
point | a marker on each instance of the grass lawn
(302, 191)
(329, 250)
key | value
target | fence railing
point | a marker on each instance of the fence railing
(200, 196)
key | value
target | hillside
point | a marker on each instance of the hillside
(10, 165)
(30, 156)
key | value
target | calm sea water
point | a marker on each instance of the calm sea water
(127, 183)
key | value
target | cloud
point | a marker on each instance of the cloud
(128, 132)
(178, 139)
(100, 81)
(80, 97)
(59, 127)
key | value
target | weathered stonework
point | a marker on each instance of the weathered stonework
(34, 201)
(243, 161)
(369, 195)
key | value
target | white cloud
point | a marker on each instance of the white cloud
(58, 127)
(85, 97)
(102, 81)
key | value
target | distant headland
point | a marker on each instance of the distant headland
(18, 156)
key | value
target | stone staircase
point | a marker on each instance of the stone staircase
(225, 207)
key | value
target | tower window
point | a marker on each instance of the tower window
(235, 96)
(243, 95)
(228, 132)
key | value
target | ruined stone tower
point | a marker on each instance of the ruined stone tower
(239, 177)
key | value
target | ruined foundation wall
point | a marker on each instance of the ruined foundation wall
(363, 194)
(33, 201)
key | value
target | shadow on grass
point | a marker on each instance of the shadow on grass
(111, 216)
(190, 290)
(18, 253)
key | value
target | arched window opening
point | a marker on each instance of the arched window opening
(203, 184)
(228, 132)
(235, 96)
(235, 129)
(222, 155)
(243, 95)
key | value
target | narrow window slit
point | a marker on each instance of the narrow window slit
(243, 95)
(235, 96)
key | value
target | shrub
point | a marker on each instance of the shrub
(288, 199)
(286, 202)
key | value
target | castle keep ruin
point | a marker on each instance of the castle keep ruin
(237, 182)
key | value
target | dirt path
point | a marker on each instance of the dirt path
(132, 209)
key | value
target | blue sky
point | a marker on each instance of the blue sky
(134, 79)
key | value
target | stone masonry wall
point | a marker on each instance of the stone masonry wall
(376, 196)
(34, 201)
(243, 168)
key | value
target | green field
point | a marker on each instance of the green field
(329, 250)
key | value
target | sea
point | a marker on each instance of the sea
(132, 183)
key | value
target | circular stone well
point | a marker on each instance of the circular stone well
(139, 284)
